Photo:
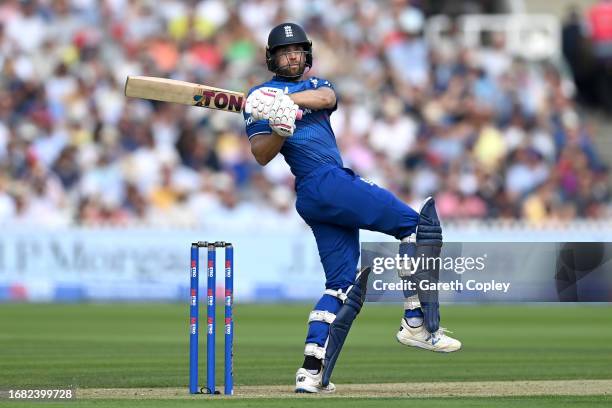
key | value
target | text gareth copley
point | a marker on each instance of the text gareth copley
(470, 285)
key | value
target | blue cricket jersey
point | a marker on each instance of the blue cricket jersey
(313, 143)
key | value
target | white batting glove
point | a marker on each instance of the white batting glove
(260, 101)
(282, 116)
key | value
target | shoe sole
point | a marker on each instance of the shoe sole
(303, 391)
(424, 346)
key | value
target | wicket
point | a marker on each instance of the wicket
(210, 312)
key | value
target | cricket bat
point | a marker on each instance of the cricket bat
(185, 93)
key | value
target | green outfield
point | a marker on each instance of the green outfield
(146, 346)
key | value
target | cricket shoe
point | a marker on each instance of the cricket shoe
(306, 382)
(420, 337)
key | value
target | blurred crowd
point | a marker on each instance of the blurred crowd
(587, 48)
(489, 135)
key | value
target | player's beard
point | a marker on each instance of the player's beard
(287, 69)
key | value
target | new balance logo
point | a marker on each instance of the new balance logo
(301, 378)
(288, 31)
(433, 339)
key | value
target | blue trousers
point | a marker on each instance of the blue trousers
(336, 203)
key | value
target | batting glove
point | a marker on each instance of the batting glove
(260, 102)
(282, 116)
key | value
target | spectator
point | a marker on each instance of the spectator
(489, 135)
(599, 17)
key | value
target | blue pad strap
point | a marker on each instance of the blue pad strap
(318, 331)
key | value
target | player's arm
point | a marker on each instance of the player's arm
(270, 118)
(265, 146)
(321, 98)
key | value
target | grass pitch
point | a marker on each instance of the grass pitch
(146, 346)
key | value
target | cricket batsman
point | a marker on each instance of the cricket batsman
(336, 203)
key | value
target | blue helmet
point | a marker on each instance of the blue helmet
(287, 34)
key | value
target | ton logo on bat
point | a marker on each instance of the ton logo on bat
(220, 100)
